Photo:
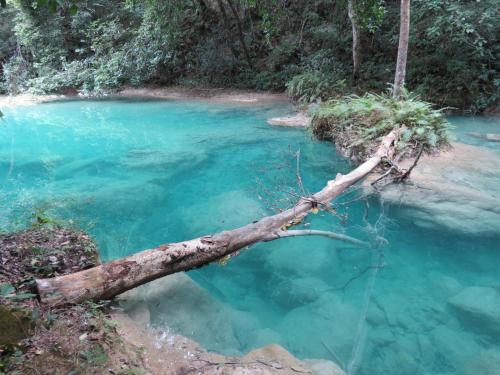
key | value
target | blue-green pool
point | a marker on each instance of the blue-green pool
(138, 173)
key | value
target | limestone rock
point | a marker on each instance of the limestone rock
(299, 291)
(486, 363)
(453, 347)
(288, 258)
(267, 336)
(225, 211)
(493, 137)
(323, 367)
(457, 190)
(447, 285)
(300, 119)
(479, 308)
(326, 320)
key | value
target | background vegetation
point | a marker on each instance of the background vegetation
(304, 46)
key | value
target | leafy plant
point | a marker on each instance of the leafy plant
(311, 87)
(354, 123)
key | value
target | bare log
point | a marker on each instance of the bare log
(110, 279)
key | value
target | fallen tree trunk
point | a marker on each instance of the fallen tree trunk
(110, 279)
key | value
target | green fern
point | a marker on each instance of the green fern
(354, 123)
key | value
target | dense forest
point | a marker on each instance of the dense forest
(95, 47)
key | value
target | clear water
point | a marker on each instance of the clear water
(136, 174)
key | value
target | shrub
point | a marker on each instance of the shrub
(310, 87)
(354, 123)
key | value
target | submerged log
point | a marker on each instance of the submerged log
(110, 279)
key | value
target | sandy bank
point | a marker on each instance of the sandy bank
(7, 101)
(216, 95)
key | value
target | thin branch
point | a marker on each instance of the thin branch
(299, 178)
(407, 173)
(312, 232)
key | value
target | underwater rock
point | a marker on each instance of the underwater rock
(176, 302)
(452, 348)
(486, 363)
(166, 353)
(457, 189)
(479, 308)
(323, 367)
(160, 160)
(225, 211)
(300, 120)
(267, 336)
(381, 336)
(329, 320)
(447, 285)
(295, 257)
(488, 136)
(375, 315)
(299, 291)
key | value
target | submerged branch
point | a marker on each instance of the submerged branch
(312, 232)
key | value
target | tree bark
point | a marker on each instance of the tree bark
(404, 32)
(110, 279)
(356, 55)
(241, 36)
(227, 26)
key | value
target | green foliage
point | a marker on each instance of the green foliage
(306, 46)
(95, 356)
(355, 123)
(41, 217)
(310, 87)
(370, 13)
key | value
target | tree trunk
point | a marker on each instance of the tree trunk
(404, 32)
(3, 3)
(227, 26)
(356, 56)
(110, 279)
(241, 36)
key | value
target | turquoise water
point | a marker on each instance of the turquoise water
(136, 174)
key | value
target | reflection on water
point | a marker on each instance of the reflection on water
(137, 174)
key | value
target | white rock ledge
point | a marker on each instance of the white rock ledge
(298, 120)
